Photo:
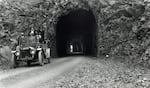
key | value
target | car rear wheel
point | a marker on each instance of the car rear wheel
(48, 55)
(41, 58)
(48, 59)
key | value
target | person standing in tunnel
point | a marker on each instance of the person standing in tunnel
(71, 48)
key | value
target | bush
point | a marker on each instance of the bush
(5, 57)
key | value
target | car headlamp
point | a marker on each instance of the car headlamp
(17, 53)
(33, 52)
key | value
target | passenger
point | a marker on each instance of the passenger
(32, 38)
(38, 36)
(20, 38)
(41, 36)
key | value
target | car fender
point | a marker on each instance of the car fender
(39, 49)
(13, 52)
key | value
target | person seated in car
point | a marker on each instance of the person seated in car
(32, 38)
(41, 36)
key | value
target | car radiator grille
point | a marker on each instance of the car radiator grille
(25, 53)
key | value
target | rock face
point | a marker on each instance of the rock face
(5, 56)
(115, 37)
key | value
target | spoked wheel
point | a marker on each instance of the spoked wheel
(48, 55)
(41, 58)
(14, 61)
(28, 63)
(48, 59)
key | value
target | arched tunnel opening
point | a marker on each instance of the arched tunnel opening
(76, 34)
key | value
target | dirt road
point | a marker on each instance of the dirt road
(30, 77)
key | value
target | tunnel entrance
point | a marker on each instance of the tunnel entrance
(76, 34)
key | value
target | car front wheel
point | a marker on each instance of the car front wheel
(14, 61)
(41, 58)
(28, 63)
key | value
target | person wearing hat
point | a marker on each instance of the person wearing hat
(32, 38)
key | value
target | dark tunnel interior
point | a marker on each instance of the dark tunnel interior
(76, 34)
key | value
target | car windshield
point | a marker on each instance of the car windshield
(28, 41)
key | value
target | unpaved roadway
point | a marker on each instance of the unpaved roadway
(31, 77)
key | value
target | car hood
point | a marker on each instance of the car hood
(26, 48)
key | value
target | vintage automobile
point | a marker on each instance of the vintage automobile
(29, 50)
